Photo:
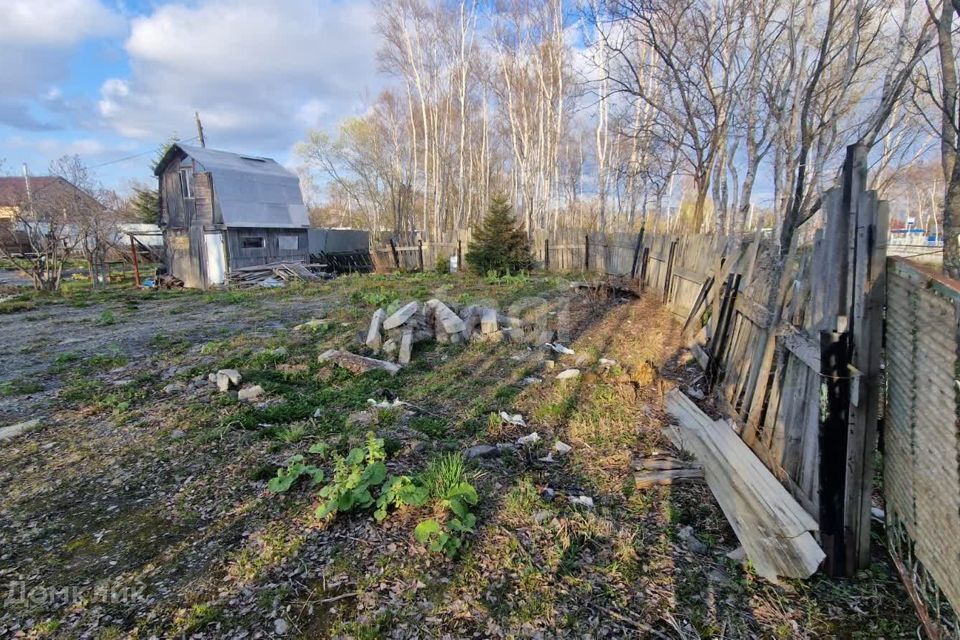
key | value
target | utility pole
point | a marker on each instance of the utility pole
(203, 142)
(26, 181)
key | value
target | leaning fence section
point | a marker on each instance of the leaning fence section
(921, 443)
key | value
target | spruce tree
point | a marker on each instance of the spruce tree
(146, 205)
(498, 245)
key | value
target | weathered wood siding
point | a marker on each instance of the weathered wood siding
(172, 207)
(182, 251)
(203, 199)
(238, 256)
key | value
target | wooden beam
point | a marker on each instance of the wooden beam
(866, 344)
(800, 345)
(698, 303)
(636, 253)
(669, 276)
(775, 530)
(834, 411)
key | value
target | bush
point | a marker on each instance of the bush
(498, 245)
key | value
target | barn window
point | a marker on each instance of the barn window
(289, 242)
(252, 242)
(186, 176)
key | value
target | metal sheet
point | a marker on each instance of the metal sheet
(251, 191)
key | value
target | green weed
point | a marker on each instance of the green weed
(443, 474)
(291, 434)
(20, 387)
(229, 297)
(294, 469)
(433, 427)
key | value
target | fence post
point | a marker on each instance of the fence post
(669, 277)
(420, 247)
(586, 253)
(834, 408)
(643, 268)
(396, 254)
(718, 345)
(136, 261)
(636, 254)
(459, 255)
(850, 366)
(868, 232)
(546, 254)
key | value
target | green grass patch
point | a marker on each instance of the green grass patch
(429, 425)
(16, 306)
(20, 387)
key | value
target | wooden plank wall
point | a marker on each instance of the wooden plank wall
(774, 353)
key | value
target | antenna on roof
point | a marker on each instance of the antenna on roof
(200, 129)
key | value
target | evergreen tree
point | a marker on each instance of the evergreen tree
(146, 205)
(498, 244)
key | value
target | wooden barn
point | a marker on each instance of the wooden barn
(220, 211)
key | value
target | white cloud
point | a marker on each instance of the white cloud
(55, 23)
(54, 148)
(37, 39)
(258, 72)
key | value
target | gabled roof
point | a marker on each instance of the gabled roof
(13, 189)
(249, 191)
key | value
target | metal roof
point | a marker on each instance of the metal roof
(249, 191)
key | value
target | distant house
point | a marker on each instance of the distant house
(29, 205)
(221, 211)
(44, 190)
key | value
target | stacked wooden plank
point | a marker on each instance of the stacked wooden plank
(776, 532)
(278, 272)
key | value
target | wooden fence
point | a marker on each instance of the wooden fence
(802, 374)
(794, 360)
(412, 252)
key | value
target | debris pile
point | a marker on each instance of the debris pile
(275, 274)
(395, 334)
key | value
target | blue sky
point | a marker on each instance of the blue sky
(109, 79)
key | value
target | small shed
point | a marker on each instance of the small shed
(220, 211)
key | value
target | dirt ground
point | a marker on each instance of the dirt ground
(138, 506)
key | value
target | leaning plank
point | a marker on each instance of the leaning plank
(702, 357)
(698, 303)
(358, 364)
(773, 528)
(805, 348)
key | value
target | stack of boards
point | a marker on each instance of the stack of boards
(775, 531)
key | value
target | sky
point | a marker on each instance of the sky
(112, 80)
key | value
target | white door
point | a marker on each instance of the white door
(216, 257)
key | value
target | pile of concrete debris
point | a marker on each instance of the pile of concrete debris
(395, 335)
